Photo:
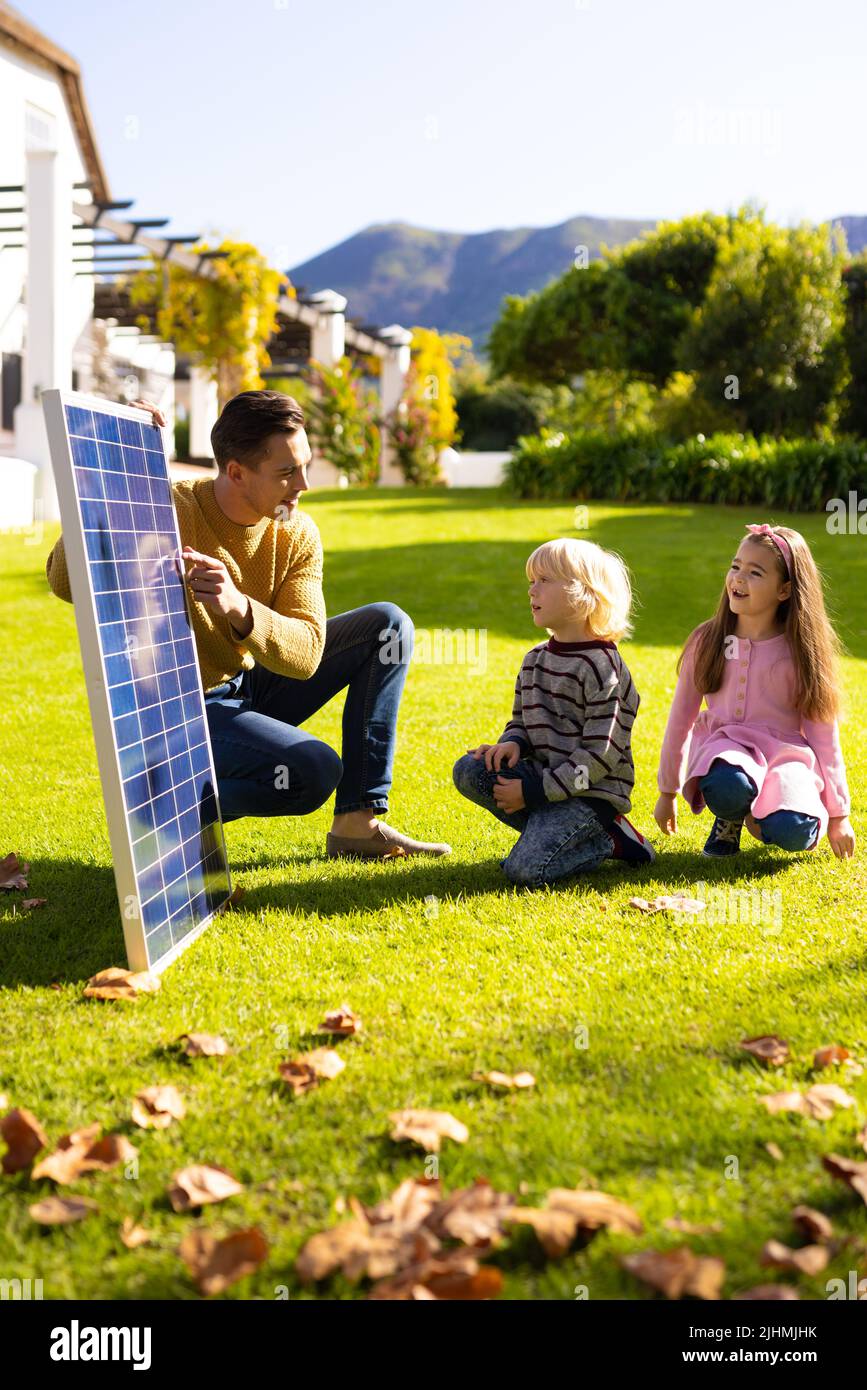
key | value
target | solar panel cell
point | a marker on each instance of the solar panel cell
(142, 672)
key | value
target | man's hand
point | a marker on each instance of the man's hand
(497, 754)
(509, 794)
(665, 813)
(158, 417)
(210, 583)
(841, 837)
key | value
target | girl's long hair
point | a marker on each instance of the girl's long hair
(814, 644)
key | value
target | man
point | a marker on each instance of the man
(269, 657)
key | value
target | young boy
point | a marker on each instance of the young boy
(562, 772)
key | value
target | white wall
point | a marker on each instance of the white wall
(23, 82)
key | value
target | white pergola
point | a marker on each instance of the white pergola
(324, 313)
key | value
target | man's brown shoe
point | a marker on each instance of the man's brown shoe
(384, 843)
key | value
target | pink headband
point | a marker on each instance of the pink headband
(779, 541)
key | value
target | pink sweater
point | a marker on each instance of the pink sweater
(797, 764)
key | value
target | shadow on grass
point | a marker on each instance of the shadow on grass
(79, 931)
(372, 886)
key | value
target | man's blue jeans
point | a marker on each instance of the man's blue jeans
(266, 765)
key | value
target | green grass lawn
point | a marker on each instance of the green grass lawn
(655, 1107)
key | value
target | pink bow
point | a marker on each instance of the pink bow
(779, 541)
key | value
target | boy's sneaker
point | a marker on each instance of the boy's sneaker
(724, 839)
(629, 843)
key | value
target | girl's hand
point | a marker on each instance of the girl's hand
(841, 837)
(665, 813)
(508, 793)
(497, 754)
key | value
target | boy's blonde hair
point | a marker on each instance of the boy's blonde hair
(597, 584)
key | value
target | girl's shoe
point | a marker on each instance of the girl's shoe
(629, 843)
(724, 838)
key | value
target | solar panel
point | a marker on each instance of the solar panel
(142, 674)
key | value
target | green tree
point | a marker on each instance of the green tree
(765, 338)
(854, 337)
(556, 334)
(652, 288)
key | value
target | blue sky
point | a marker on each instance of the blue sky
(296, 124)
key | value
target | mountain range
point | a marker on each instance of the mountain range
(454, 281)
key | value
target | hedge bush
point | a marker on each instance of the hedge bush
(798, 474)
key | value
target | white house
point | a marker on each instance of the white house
(57, 217)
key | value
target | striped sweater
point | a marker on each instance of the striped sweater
(575, 704)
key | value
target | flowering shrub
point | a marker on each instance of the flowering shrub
(342, 419)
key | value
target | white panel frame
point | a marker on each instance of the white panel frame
(54, 404)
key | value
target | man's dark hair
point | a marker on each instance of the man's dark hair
(246, 422)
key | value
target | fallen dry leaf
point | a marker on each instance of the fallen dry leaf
(555, 1229)
(667, 1271)
(204, 1045)
(455, 1274)
(217, 1264)
(669, 902)
(809, 1259)
(821, 1100)
(813, 1224)
(59, 1211)
(830, 1055)
(768, 1293)
(409, 1206)
(775, 1151)
(201, 1184)
(108, 1152)
(329, 1250)
(707, 1278)
(82, 1152)
(818, 1102)
(115, 983)
(342, 1022)
(304, 1072)
(64, 1163)
(400, 1237)
(521, 1080)
(768, 1048)
(27, 903)
(596, 1209)
(24, 1136)
(427, 1128)
(132, 1235)
(156, 1106)
(851, 1171)
(13, 874)
(473, 1215)
(573, 1213)
(782, 1101)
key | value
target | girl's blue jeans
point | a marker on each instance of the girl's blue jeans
(555, 841)
(267, 766)
(729, 793)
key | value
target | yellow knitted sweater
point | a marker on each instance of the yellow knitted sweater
(277, 565)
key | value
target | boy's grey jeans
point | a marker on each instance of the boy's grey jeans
(555, 841)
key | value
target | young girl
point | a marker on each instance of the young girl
(562, 771)
(766, 750)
